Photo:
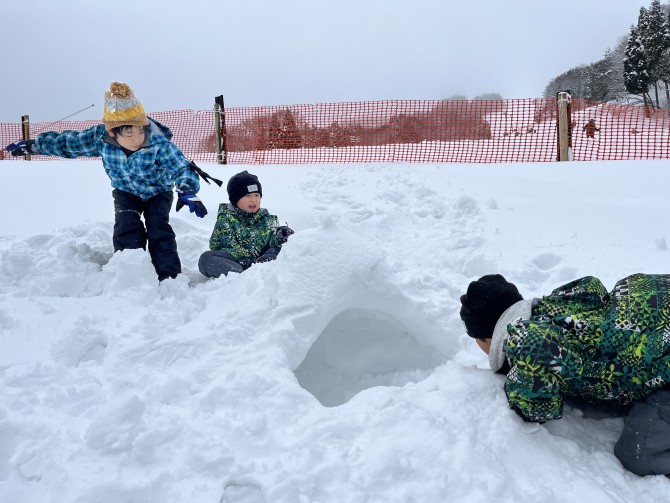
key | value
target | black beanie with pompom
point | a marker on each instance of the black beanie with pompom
(483, 303)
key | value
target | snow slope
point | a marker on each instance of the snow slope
(340, 372)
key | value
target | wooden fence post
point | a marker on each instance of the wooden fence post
(25, 130)
(564, 126)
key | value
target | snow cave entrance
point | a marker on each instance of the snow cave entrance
(360, 349)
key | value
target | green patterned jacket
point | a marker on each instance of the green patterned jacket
(581, 341)
(244, 235)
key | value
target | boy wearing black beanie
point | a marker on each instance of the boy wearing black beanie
(244, 233)
(583, 342)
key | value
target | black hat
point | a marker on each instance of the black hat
(242, 184)
(484, 302)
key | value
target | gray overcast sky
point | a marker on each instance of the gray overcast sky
(181, 54)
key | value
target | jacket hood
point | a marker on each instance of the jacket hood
(159, 129)
(519, 310)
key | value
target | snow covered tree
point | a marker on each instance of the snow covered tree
(488, 97)
(663, 68)
(283, 130)
(616, 87)
(407, 129)
(572, 80)
(636, 65)
(663, 74)
(654, 33)
(596, 80)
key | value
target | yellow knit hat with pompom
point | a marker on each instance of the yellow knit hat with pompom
(122, 108)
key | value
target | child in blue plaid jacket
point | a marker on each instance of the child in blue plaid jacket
(143, 166)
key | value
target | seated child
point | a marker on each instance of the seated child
(244, 233)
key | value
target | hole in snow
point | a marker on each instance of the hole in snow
(359, 349)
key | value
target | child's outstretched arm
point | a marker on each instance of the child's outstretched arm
(71, 144)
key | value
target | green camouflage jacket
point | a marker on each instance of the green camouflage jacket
(246, 236)
(581, 341)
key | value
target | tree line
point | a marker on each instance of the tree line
(636, 70)
(447, 120)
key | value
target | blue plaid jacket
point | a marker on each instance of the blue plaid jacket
(155, 168)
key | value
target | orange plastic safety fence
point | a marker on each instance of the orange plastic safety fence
(479, 131)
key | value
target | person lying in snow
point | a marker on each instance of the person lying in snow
(143, 166)
(581, 341)
(244, 233)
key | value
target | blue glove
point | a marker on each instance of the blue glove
(22, 147)
(194, 203)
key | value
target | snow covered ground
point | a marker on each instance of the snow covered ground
(339, 373)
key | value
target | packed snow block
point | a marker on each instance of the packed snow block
(352, 272)
(355, 327)
(8, 445)
(127, 269)
(117, 426)
(242, 492)
(84, 342)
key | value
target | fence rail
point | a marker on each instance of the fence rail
(479, 131)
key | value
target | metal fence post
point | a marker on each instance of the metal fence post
(220, 130)
(25, 129)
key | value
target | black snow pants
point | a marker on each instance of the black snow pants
(130, 232)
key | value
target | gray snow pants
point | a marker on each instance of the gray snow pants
(214, 263)
(644, 445)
